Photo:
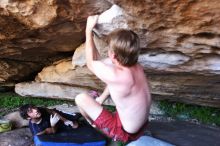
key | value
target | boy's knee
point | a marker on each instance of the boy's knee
(80, 98)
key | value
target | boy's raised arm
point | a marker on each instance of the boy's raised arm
(91, 52)
(99, 68)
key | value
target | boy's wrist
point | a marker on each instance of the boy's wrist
(88, 31)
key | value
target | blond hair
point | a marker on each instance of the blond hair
(126, 46)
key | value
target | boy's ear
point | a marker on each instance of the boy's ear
(111, 54)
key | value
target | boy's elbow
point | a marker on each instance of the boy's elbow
(51, 130)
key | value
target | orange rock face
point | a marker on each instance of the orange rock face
(41, 32)
(180, 41)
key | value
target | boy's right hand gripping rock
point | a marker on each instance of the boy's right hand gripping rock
(54, 119)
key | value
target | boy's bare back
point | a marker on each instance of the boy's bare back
(130, 92)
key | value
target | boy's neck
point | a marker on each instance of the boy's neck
(37, 120)
(117, 64)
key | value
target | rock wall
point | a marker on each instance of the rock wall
(17, 137)
(180, 41)
(68, 77)
(40, 32)
(180, 45)
(176, 36)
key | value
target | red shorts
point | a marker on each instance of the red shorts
(110, 124)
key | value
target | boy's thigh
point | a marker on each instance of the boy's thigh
(89, 105)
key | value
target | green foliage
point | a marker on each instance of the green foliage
(120, 143)
(12, 100)
(110, 108)
(205, 115)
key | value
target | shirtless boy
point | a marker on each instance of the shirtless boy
(126, 83)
